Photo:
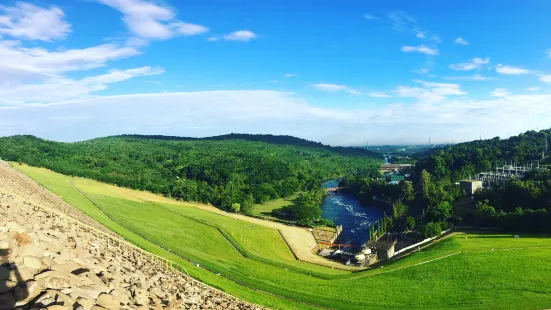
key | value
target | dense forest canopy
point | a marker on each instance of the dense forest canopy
(436, 200)
(221, 171)
(465, 159)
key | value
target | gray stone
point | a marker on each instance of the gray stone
(108, 301)
(32, 262)
(85, 303)
(13, 226)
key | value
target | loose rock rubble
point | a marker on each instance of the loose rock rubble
(47, 263)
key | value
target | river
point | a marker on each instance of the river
(346, 210)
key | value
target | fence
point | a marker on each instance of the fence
(420, 243)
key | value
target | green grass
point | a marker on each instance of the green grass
(478, 272)
(265, 209)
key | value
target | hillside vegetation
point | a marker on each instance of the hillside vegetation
(231, 172)
(249, 261)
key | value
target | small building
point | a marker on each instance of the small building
(397, 178)
(470, 186)
(383, 248)
(395, 167)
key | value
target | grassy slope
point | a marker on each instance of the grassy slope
(473, 276)
(265, 209)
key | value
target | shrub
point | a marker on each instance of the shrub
(431, 229)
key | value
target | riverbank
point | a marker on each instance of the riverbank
(346, 210)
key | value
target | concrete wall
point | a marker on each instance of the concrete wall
(470, 186)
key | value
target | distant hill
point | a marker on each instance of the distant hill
(464, 159)
(222, 170)
(272, 139)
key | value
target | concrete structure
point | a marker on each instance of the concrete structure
(395, 167)
(470, 186)
(383, 248)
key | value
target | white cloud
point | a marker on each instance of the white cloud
(420, 35)
(59, 88)
(151, 21)
(29, 22)
(545, 78)
(510, 70)
(370, 17)
(240, 35)
(213, 39)
(21, 63)
(461, 41)
(423, 49)
(219, 112)
(423, 71)
(378, 95)
(288, 75)
(335, 88)
(500, 92)
(471, 64)
(400, 20)
(188, 29)
(474, 77)
(548, 52)
(533, 89)
(431, 92)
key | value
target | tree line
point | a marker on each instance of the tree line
(232, 174)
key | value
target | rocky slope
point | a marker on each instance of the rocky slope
(47, 263)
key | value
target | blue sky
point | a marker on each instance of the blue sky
(343, 74)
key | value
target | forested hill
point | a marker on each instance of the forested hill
(272, 139)
(465, 159)
(217, 171)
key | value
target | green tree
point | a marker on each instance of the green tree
(399, 209)
(439, 212)
(483, 208)
(410, 223)
(235, 207)
(425, 183)
(431, 229)
(407, 191)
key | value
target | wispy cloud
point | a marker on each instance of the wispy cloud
(378, 95)
(430, 93)
(461, 41)
(548, 52)
(29, 22)
(471, 64)
(273, 112)
(61, 88)
(288, 75)
(240, 35)
(545, 78)
(474, 77)
(500, 92)
(370, 17)
(335, 88)
(152, 21)
(532, 89)
(510, 70)
(423, 49)
(401, 20)
(29, 64)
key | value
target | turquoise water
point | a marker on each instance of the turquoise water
(346, 210)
